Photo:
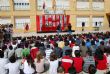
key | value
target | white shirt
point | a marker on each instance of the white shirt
(10, 52)
(14, 68)
(14, 46)
(18, 52)
(3, 62)
(53, 67)
(39, 65)
(48, 52)
(27, 68)
(74, 49)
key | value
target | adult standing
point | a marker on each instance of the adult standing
(58, 29)
(69, 28)
(1, 37)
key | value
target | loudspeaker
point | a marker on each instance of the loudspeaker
(83, 24)
(95, 23)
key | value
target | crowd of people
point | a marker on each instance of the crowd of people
(56, 54)
(6, 31)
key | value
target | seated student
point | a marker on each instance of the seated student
(28, 65)
(78, 62)
(33, 52)
(60, 70)
(26, 50)
(66, 61)
(101, 61)
(10, 51)
(88, 60)
(3, 62)
(48, 52)
(13, 66)
(72, 70)
(53, 63)
(92, 69)
(39, 62)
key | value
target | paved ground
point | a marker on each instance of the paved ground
(42, 34)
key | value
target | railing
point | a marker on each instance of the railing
(4, 8)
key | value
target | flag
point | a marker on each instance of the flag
(44, 5)
(54, 5)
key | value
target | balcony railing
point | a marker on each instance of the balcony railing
(4, 8)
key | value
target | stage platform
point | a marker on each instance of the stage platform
(52, 33)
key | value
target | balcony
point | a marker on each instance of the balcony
(83, 5)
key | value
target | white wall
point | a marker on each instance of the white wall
(79, 21)
(5, 21)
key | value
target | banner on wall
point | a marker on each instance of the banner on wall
(50, 22)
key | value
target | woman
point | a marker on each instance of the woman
(39, 62)
(28, 65)
(53, 63)
(101, 61)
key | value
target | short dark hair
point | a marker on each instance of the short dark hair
(72, 70)
(53, 56)
(48, 46)
(83, 43)
(56, 44)
(77, 53)
(102, 42)
(12, 59)
(1, 54)
(92, 69)
(10, 47)
(68, 52)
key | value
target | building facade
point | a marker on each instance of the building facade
(45, 15)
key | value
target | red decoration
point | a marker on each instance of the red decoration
(27, 27)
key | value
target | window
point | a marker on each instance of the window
(63, 4)
(82, 20)
(97, 21)
(21, 22)
(21, 4)
(82, 5)
(58, 4)
(4, 5)
(98, 5)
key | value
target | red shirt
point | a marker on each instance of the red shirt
(78, 63)
(101, 64)
(33, 52)
(71, 45)
(66, 63)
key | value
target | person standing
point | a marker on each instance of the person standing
(1, 37)
(69, 28)
(58, 29)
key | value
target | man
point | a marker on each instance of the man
(58, 29)
(69, 28)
